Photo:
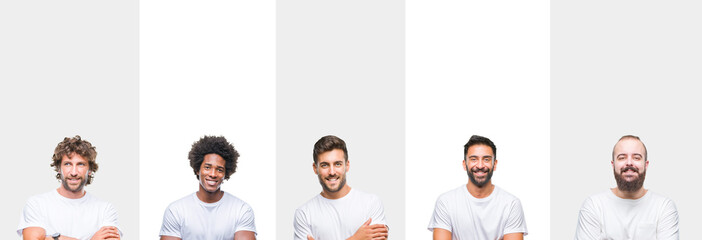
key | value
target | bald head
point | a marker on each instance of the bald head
(629, 143)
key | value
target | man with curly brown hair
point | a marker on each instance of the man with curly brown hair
(210, 213)
(69, 212)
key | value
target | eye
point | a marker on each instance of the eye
(472, 159)
(207, 167)
(220, 170)
(338, 164)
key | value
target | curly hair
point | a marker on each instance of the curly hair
(75, 145)
(328, 143)
(216, 145)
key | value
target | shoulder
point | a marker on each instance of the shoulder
(183, 202)
(364, 196)
(313, 202)
(597, 200)
(505, 196)
(456, 193)
(43, 197)
(234, 201)
(659, 199)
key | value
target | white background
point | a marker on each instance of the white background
(207, 68)
(477, 67)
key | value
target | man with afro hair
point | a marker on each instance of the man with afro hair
(210, 213)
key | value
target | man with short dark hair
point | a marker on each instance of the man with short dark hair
(628, 211)
(210, 213)
(338, 212)
(69, 212)
(478, 210)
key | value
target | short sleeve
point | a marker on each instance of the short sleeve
(171, 223)
(377, 212)
(301, 225)
(668, 224)
(515, 219)
(246, 222)
(440, 218)
(111, 218)
(588, 227)
(30, 217)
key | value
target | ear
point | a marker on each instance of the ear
(646, 164)
(494, 165)
(314, 168)
(465, 168)
(348, 165)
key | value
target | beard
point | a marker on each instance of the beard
(630, 186)
(479, 183)
(342, 182)
(80, 186)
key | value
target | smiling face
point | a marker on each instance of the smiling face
(211, 173)
(480, 164)
(331, 168)
(630, 163)
(74, 172)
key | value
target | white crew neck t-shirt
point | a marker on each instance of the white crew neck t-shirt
(604, 216)
(78, 218)
(189, 218)
(467, 217)
(337, 219)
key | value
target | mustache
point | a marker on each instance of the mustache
(483, 169)
(627, 168)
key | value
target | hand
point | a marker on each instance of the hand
(370, 232)
(309, 237)
(106, 232)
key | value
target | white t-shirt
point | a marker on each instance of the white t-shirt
(606, 216)
(336, 219)
(467, 217)
(77, 218)
(190, 218)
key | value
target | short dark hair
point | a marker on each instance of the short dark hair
(479, 140)
(74, 145)
(217, 145)
(328, 143)
(631, 137)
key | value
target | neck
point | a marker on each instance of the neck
(209, 197)
(338, 194)
(70, 194)
(636, 194)
(480, 192)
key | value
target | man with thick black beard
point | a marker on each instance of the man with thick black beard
(628, 211)
(478, 210)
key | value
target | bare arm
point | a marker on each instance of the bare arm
(244, 235)
(514, 236)
(442, 234)
(33, 233)
(169, 238)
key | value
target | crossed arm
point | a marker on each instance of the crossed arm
(38, 233)
(443, 234)
(367, 232)
(240, 235)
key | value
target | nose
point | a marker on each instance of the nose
(73, 171)
(481, 164)
(212, 173)
(332, 171)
